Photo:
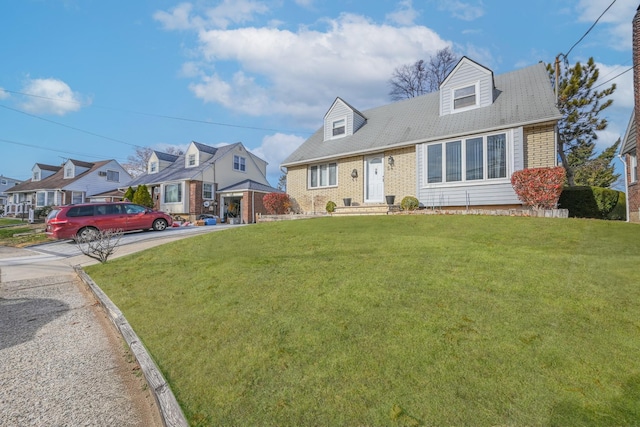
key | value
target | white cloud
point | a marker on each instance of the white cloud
(274, 149)
(405, 15)
(617, 19)
(3, 94)
(350, 57)
(50, 96)
(467, 11)
(183, 17)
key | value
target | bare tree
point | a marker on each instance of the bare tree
(99, 244)
(136, 163)
(411, 80)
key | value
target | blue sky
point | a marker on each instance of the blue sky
(93, 79)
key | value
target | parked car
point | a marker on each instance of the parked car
(83, 221)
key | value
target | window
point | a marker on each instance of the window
(41, 198)
(192, 160)
(323, 175)
(207, 191)
(173, 193)
(80, 211)
(339, 127)
(36, 176)
(633, 168)
(464, 97)
(68, 172)
(3, 182)
(239, 163)
(76, 197)
(113, 176)
(473, 159)
(153, 168)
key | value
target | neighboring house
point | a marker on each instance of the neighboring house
(452, 148)
(228, 182)
(73, 182)
(5, 184)
(631, 143)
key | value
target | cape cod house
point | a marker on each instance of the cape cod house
(73, 182)
(6, 183)
(452, 148)
(228, 182)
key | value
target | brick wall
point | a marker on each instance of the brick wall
(400, 180)
(196, 202)
(539, 146)
(633, 190)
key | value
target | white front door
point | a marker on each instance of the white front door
(375, 180)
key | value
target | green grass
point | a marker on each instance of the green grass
(390, 321)
(9, 221)
(9, 228)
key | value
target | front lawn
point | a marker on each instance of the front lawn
(394, 320)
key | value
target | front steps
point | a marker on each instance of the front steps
(369, 209)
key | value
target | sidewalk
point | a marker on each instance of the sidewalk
(62, 361)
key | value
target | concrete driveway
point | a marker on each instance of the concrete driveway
(62, 361)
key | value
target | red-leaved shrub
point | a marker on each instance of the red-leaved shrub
(539, 188)
(276, 203)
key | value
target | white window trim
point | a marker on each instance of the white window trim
(476, 182)
(153, 167)
(333, 122)
(68, 172)
(203, 191)
(36, 176)
(164, 195)
(633, 168)
(195, 160)
(241, 161)
(318, 165)
(470, 107)
(73, 193)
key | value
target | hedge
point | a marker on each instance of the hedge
(589, 202)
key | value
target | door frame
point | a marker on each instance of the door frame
(367, 160)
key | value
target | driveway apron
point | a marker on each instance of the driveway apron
(61, 362)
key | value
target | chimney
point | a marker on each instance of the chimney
(636, 74)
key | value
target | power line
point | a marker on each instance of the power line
(590, 28)
(615, 77)
(70, 127)
(23, 144)
(162, 116)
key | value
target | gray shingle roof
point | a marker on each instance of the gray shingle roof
(521, 97)
(166, 156)
(248, 184)
(178, 172)
(57, 180)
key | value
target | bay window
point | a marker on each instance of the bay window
(323, 175)
(471, 159)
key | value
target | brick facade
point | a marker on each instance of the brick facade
(539, 146)
(399, 180)
(633, 189)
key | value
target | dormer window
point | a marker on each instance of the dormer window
(465, 97)
(192, 160)
(153, 167)
(36, 176)
(68, 172)
(339, 127)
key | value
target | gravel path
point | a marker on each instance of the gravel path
(61, 362)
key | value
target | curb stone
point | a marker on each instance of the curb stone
(170, 411)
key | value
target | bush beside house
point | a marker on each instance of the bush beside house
(591, 202)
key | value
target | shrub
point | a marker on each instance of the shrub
(619, 211)
(409, 203)
(128, 195)
(331, 206)
(539, 188)
(43, 211)
(589, 202)
(276, 203)
(142, 196)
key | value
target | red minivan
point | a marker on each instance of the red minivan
(84, 220)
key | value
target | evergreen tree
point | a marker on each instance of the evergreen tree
(282, 182)
(142, 196)
(580, 104)
(598, 171)
(128, 195)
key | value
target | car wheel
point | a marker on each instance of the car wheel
(159, 224)
(86, 234)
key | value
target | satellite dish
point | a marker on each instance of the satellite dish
(206, 204)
